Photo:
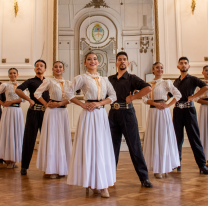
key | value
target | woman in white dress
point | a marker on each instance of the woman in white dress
(160, 144)
(12, 122)
(203, 114)
(93, 161)
(55, 138)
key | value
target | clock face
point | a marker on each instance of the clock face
(97, 33)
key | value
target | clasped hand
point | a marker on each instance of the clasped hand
(161, 106)
(51, 104)
(90, 106)
(7, 103)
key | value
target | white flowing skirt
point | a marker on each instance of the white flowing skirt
(160, 144)
(203, 128)
(93, 161)
(55, 145)
(11, 134)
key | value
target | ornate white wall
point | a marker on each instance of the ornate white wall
(28, 35)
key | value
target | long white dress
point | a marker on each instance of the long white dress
(93, 160)
(160, 144)
(11, 126)
(55, 145)
(203, 121)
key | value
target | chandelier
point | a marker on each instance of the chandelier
(97, 4)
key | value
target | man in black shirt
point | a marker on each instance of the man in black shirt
(34, 114)
(184, 113)
(122, 116)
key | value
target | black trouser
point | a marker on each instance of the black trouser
(187, 117)
(1, 160)
(33, 123)
(125, 122)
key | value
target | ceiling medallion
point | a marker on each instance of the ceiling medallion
(97, 4)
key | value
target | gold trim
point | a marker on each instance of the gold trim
(54, 30)
(157, 31)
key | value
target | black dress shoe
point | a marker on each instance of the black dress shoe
(23, 171)
(203, 170)
(146, 183)
(179, 168)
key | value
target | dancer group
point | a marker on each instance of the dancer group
(92, 160)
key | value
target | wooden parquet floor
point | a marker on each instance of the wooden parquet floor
(186, 188)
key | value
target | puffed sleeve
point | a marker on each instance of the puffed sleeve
(173, 90)
(110, 90)
(75, 85)
(3, 88)
(42, 88)
(196, 99)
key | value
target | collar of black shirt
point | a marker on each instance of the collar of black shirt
(188, 75)
(125, 75)
(39, 78)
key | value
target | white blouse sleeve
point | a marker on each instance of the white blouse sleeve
(173, 90)
(42, 88)
(197, 98)
(145, 98)
(75, 85)
(110, 90)
(2, 88)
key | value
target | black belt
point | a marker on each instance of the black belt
(122, 105)
(102, 106)
(58, 101)
(158, 101)
(38, 107)
(15, 105)
(184, 104)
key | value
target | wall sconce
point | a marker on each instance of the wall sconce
(193, 6)
(16, 7)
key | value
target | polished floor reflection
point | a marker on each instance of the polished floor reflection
(186, 188)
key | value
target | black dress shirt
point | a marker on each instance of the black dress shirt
(2, 96)
(32, 84)
(126, 84)
(187, 86)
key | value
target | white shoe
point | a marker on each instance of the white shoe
(158, 175)
(53, 176)
(105, 193)
(10, 166)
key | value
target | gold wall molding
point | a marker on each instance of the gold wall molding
(157, 47)
(55, 27)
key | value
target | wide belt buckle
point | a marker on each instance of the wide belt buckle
(43, 108)
(180, 105)
(34, 107)
(116, 106)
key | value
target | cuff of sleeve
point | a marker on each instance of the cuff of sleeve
(176, 97)
(37, 96)
(112, 100)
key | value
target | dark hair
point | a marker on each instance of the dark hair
(58, 62)
(156, 64)
(121, 53)
(205, 67)
(91, 52)
(40, 60)
(183, 58)
(12, 69)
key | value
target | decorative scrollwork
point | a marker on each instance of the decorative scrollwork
(97, 4)
(144, 44)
